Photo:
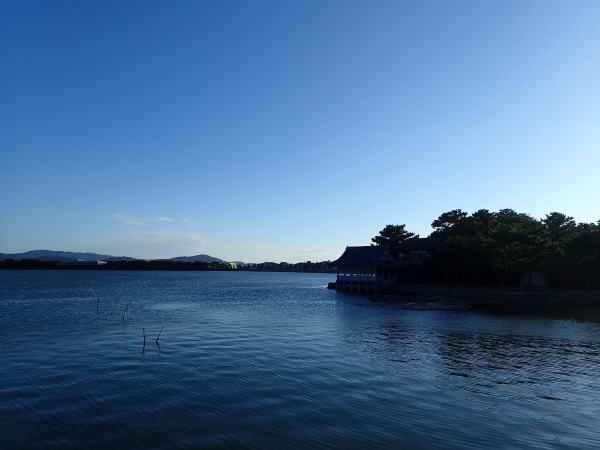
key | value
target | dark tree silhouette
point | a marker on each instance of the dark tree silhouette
(392, 235)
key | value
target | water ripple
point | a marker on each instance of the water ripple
(272, 360)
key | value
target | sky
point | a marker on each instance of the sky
(262, 130)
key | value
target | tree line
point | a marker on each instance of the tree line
(497, 248)
(138, 264)
(142, 264)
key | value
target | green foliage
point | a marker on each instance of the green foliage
(392, 235)
(560, 227)
(498, 247)
(582, 253)
(447, 221)
(520, 245)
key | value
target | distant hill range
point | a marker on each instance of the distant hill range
(197, 258)
(49, 255)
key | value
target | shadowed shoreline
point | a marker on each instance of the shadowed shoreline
(504, 300)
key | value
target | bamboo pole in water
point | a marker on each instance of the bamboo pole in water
(125, 312)
(159, 335)
(97, 297)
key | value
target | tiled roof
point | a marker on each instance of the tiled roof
(365, 256)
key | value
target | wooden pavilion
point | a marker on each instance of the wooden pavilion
(367, 268)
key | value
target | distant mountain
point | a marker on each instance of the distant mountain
(197, 258)
(50, 255)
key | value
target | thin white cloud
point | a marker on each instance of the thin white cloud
(128, 220)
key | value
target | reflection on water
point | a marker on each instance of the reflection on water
(260, 360)
(538, 378)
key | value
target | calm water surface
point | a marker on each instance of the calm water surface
(265, 360)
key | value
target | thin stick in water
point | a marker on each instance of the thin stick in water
(97, 297)
(144, 348)
(125, 312)
(159, 335)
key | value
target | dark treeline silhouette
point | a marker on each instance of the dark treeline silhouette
(28, 263)
(140, 264)
(498, 248)
(158, 264)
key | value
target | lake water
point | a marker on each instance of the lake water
(272, 360)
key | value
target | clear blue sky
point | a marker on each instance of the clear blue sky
(287, 130)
